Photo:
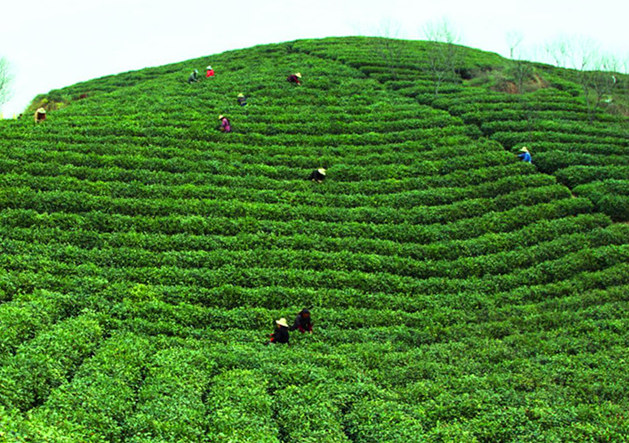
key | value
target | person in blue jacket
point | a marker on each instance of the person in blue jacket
(526, 155)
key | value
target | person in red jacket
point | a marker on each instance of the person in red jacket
(294, 78)
(224, 126)
(210, 72)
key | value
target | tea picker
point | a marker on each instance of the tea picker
(303, 322)
(294, 78)
(224, 126)
(40, 115)
(194, 77)
(317, 175)
(280, 335)
(242, 100)
(525, 156)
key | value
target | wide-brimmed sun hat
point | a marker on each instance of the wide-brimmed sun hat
(282, 322)
(321, 171)
(41, 111)
(524, 149)
(209, 68)
(241, 95)
(220, 117)
(298, 74)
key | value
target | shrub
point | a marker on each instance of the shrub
(47, 361)
(240, 409)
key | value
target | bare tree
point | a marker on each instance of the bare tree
(520, 68)
(5, 80)
(560, 51)
(443, 54)
(387, 49)
(514, 39)
(594, 68)
(389, 28)
(599, 83)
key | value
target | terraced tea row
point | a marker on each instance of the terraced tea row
(145, 255)
(554, 121)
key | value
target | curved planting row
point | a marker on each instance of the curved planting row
(146, 255)
(552, 122)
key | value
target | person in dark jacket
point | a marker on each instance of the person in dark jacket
(281, 332)
(303, 322)
(194, 77)
(40, 115)
(294, 78)
(242, 100)
(525, 156)
(224, 126)
(317, 175)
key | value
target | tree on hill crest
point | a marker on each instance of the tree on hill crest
(5, 80)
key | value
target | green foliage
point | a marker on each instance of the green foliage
(609, 196)
(170, 402)
(308, 414)
(44, 363)
(457, 293)
(378, 420)
(98, 400)
(240, 409)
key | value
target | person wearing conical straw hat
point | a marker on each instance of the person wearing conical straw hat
(318, 175)
(40, 115)
(209, 72)
(526, 155)
(242, 100)
(281, 332)
(224, 126)
(294, 78)
(194, 77)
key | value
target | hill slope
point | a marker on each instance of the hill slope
(457, 293)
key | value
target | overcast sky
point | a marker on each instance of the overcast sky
(51, 44)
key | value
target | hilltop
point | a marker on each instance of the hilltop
(457, 293)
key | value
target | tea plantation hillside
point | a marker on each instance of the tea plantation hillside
(457, 293)
(580, 143)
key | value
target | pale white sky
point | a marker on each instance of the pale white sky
(52, 44)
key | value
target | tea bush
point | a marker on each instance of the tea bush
(457, 293)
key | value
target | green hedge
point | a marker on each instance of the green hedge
(239, 408)
(41, 365)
